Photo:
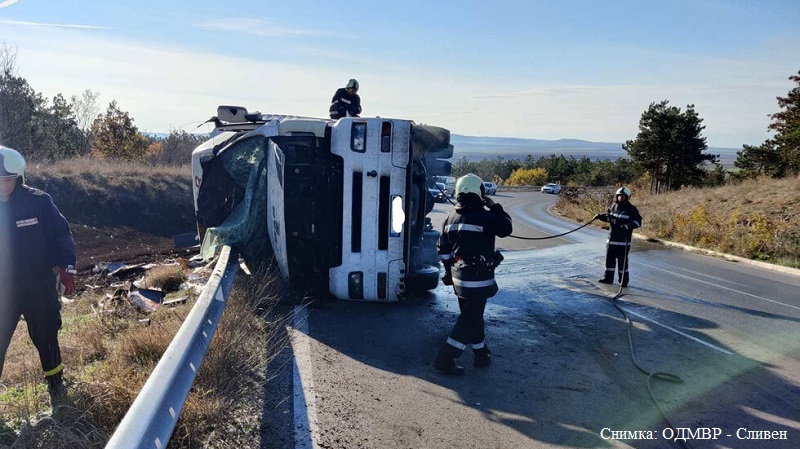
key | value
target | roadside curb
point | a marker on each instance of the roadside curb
(725, 256)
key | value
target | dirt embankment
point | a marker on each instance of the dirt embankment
(121, 215)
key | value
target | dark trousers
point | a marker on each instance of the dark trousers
(469, 328)
(617, 257)
(37, 301)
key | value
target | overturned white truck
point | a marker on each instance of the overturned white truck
(339, 205)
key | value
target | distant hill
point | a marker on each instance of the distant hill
(480, 147)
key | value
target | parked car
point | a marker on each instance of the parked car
(438, 194)
(490, 187)
(551, 188)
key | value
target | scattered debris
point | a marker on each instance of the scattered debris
(186, 240)
(176, 301)
(145, 287)
(126, 269)
(139, 301)
(157, 296)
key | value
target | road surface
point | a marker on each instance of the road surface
(360, 376)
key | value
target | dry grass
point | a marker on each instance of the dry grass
(757, 219)
(109, 357)
(164, 277)
(99, 192)
(104, 168)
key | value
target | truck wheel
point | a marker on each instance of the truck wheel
(422, 279)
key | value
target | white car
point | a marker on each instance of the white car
(551, 188)
(490, 188)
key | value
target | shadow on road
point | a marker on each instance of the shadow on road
(561, 372)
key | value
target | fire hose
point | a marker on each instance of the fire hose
(651, 375)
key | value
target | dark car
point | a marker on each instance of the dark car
(438, 194)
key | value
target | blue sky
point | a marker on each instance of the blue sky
(532, 69)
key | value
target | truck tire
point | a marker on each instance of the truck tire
(422, 279)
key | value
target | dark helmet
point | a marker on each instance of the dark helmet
(352, 84)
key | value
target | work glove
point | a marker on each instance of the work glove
(601, 217)
(447, 279)
(66, 276)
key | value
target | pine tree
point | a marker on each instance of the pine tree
(786, 125)
(670, 147)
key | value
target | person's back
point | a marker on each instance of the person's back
(467, 251)
(346, 102)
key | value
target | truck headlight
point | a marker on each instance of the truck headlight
(398, 216)
(355, 285)
(359, 137)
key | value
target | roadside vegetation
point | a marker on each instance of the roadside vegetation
(109, 356)
(103, 173)
(684, 194)
(756, 219)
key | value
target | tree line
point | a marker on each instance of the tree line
(669, 151)
(45, 130)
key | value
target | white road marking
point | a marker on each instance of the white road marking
(684, 334)
(720, 286)
(305, 410)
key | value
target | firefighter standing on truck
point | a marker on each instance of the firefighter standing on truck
(36, 251)
(346, 102)
(624, 218)
(466, 248)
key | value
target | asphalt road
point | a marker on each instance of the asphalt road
(360, 376)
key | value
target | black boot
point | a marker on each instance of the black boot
(483, 357)
(625, 278)
(56, 388)
(606, 279)
(445, 360)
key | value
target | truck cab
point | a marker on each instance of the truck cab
(338, 205)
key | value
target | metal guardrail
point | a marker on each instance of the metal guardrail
(152, 417)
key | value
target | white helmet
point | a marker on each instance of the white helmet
(623, 191)
(352, 84)
(12, 164)
(469, 183)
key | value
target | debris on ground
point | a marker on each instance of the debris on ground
(145, 287)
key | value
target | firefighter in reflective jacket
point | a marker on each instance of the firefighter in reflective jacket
(624, 218)
(36, 252)
(466, 248)
(346, 102)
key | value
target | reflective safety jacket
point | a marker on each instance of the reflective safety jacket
(343, 104)
(34, 236)
(624, 218)
(466, 248)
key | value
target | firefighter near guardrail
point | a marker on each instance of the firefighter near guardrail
(37, 251)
